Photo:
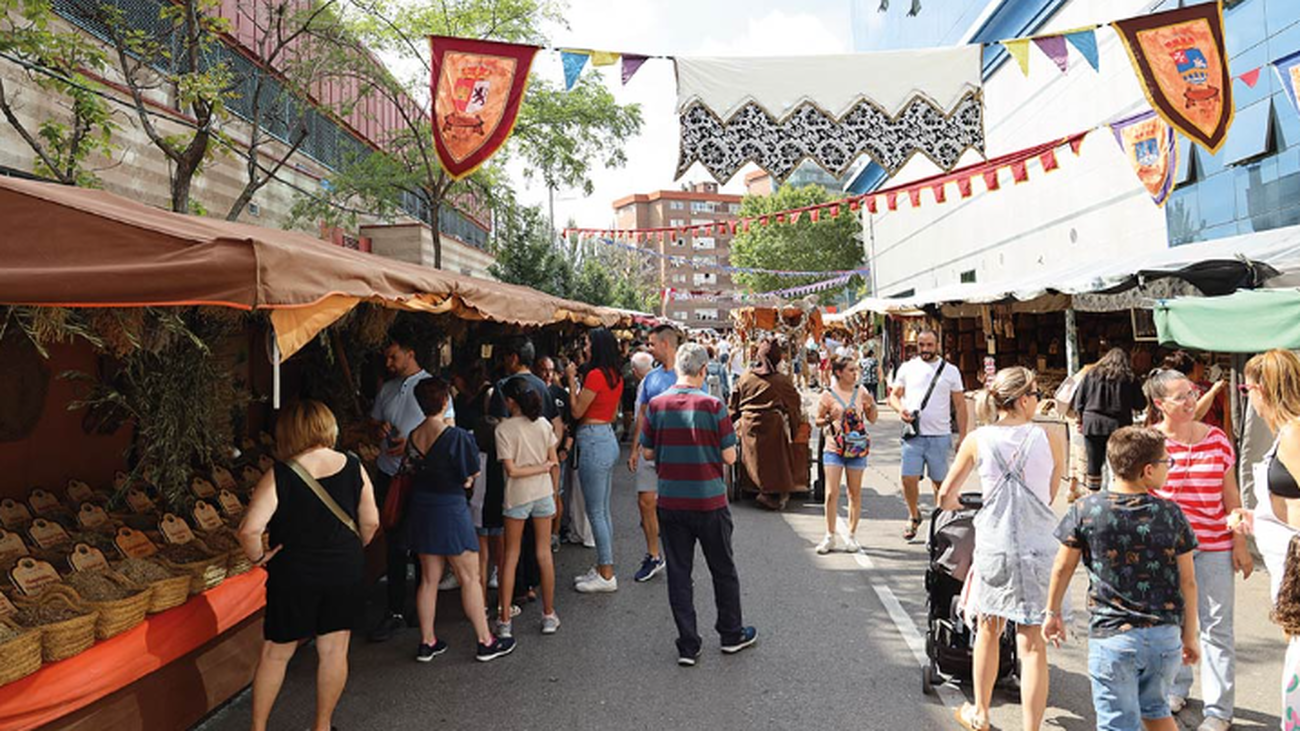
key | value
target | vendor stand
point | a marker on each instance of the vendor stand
(155, 321)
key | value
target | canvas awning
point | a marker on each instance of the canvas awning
(75, 247)
(1250, 321)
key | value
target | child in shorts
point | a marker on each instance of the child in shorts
(1141, 586)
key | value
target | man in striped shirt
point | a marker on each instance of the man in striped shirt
(689, 437)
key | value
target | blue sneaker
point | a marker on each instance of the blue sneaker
(500, 646)
(428, 652)
(650, 566)
(748, 636)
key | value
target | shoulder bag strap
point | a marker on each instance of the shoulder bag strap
(324, 496)
(938, 371)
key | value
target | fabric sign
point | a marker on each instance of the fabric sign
(1288, 73)
(1152, 151)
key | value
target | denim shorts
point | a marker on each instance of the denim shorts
(539, 508)
(1131, 675)
(490, 532)
(927, 455)
(647, 479)
(834, 459)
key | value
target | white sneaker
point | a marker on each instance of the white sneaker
(550, 623)
(448, 582)
(1176, 703)
(598, 585)
(493, 581)
(1214, 723)
(591, 572)
(852, 546)
(827, 545)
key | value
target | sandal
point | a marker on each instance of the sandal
(968, 720)
(913, 524)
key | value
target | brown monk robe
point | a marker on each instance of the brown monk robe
(767, 410)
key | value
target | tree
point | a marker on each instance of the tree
(525, 253)
(826, 245)
(594, 285)
(54, 61)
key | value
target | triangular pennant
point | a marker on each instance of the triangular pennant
(1048, 161)
(963, 185)
(603, 58)
(991, 180)
(1076, 144)
(1019, 50)
(1251, 77)
(891, 201)
(835, 210)
(745, 224)
(1085, 42)
(763, 220)
(780, 217)
(631, 64)
(871, 204)
(1054, 48)
(940, 195)
(1019, 172)
(914, 197)
(573, 62)
(815, 215)
(1151, 147)
(855, 203)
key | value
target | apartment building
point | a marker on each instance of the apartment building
(699, 204)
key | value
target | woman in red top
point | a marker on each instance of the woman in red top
(1203, 484)
(595, 406)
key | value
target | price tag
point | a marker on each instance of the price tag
(247, 444)
(202, 489)
(175, 530)
(266, 439)
(230, 504)
(14, 514)
(47, 533)
(11, 544)
(265, 463)
(87, 558)
(92, 516)
(206, 516)
(79, 492)
(119, 480)
(32, 576)
(43, 502)
(6, 607)
(223, 478)
(251, 475)
(134, 544)
(138, 501)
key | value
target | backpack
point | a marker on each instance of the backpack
(851, 439)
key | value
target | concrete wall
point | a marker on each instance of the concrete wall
(1091, 207)
(413, 243)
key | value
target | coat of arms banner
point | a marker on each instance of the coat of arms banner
(477, 89)
(779, 111)
(1152, 150)
(1180, 62)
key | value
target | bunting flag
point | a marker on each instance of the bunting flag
(477, 87)
(779, 111)
(1151, 147)
(1019, 50)
(1054, 48)
(1085, 42)
(603, 58)
(573, 62)
(631, 64)
(1251, 77)
(1179, 59)
(1288, 73)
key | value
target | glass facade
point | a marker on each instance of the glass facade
(1253, 182)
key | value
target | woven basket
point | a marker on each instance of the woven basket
(71, 637)
(119, 615)
(169, 593)
(19, 656)
(239, 563)
(204, 574)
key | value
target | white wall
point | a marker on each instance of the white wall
(1091, 207)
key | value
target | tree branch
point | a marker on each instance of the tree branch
(27, 136)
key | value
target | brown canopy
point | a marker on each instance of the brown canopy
(74, 247)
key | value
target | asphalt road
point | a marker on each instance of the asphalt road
(839, 644)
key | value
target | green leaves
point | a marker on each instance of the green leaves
(827, 245)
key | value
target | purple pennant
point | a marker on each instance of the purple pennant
(1054, 47)
(631, 63)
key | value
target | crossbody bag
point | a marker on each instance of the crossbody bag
(324, 496)
(913, 428)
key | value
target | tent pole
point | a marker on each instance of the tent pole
(275, 373)
(1071, 343)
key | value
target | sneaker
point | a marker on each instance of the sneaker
(1214, 723)
(428, 652)
(550, 623)
(493, 582)
(448, 582)
(505, 629)
(650, 566)
(852, 546)
(555, 543)
(1176, 703)
(686, 660)
(386, 628)
(500, 646)
(598, 585)
(591, 574)
(827, 545)
(748, 636)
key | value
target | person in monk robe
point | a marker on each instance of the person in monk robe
(768, 411)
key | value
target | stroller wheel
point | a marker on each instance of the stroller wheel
(928, 679)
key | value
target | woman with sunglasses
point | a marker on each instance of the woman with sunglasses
(1020, 467)
(1203, 483)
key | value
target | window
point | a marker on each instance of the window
(706, 314)
(733, 208)
(681, 315)
(968, 276)
(705, 242)
(702, 222)
(676, 205)
(1186, 172)
(706, 261)
(706, 278)
(679, 279)
(1251, 135)
(701, 207)
(677, 243)
(676, 222)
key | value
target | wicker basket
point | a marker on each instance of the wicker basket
(119, 615)
(239, 563)
(170, 592)
(71, 637)
(19, 656)
(204, 574)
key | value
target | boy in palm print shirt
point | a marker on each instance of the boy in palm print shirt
(1141, 586)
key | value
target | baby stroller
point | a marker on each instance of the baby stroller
(949, 641)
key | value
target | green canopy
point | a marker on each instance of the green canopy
(1249, 321)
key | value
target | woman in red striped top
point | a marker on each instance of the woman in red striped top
(1203, 483)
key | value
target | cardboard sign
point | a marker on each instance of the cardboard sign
(14, 514)
(87, 558)
(247, 444)
(265, 463)
(230, 504)
(251, 475)
(11, 544)
(32, 576)
(6, 607)
(175, 530)
(92, 516)
(222, 477)
(138, 501)
(206, 516)
(79, 492)
(266, 439)
(48, 534)
(43, 502)
(134, 544)
(119, 480)
(202, 489)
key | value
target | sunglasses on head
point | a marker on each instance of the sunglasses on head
(1246, 388)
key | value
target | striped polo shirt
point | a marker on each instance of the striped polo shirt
(1195, 483)
(688, 429)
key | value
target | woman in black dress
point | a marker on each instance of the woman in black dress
(316, 584)
(1105, 401)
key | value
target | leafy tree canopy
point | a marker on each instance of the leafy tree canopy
(827, 245)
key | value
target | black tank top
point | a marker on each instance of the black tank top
(318, 549)
(1280, 481)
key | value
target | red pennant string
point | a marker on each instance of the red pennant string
(745, 223)
(891, 200)
(940, 195)
(854, 203)
(1019, 172)
(1251, 77)
(991, 180)
(1075, 144)
(1048, 161)
(795, 216)
(914, 197)
(721, 229)
(963, 186)
(763, 220)
(815, 215)
(835, 210)
(871, 204)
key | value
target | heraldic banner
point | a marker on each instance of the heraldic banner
(1180, 62)
(1151, 147)
(779, 111)
(477, 89)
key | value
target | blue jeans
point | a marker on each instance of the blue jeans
(927, 454)
(1132, 673)
(1215, 590)
(597, 455)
